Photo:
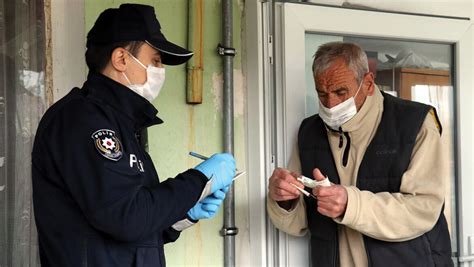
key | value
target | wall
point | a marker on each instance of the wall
(68, 43)
(195, 127)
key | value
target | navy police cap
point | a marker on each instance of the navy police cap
(134, 22)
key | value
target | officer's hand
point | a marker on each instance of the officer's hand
(209, 206)
(219, 169)
(280, 188)
(332, 200)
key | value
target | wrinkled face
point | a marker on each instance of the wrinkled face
(338, 83)
(146, 55)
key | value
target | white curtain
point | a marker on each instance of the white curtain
(22, 102)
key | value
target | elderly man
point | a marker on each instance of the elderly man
(384, 203)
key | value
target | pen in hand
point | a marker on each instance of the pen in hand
(199, 156)
(196, 155)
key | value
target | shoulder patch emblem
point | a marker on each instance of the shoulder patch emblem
(107, 144)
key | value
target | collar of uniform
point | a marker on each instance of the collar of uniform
(368, 114)
(140, 112)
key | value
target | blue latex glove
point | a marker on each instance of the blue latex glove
(209, 206)
(219, 169)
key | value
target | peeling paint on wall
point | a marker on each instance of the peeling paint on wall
(241, 5)
(239, 92)
(49, 54)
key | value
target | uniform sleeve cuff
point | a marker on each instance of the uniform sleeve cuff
(352, 208)
(197, 174)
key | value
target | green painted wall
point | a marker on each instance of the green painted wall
(195, 127)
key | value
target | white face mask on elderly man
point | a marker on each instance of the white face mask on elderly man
(155, 78)
(338, 115)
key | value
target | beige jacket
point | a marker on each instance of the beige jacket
(385, 216)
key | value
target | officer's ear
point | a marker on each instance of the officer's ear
(119, 59)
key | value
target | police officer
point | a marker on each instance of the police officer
(97, 197)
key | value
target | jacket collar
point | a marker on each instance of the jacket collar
(369, 114)
(140, 113)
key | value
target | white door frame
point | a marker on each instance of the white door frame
(272, 125)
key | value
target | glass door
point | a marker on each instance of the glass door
(409, 61)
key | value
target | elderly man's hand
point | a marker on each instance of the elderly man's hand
(280, 188)
(332, 200)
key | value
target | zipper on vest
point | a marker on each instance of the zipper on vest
(345, 155)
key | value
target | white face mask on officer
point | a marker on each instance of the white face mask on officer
(338, 115)
(154, 81)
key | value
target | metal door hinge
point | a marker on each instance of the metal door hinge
(270, 49)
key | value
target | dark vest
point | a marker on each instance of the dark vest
(386, 159)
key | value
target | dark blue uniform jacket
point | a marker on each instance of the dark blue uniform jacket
(97, 197)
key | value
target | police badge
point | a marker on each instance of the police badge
(107, 144)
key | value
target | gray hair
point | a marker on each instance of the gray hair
(352, 54)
